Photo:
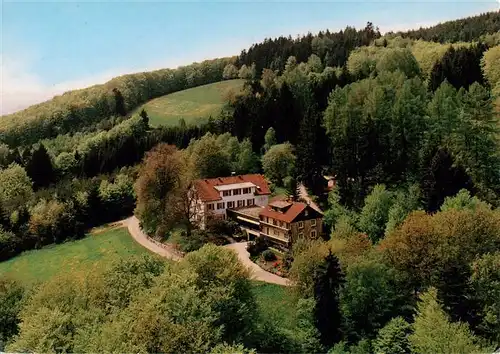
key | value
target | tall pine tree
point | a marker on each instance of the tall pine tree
(328, 281)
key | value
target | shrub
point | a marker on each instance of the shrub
(257, 247)
(287, 261)
(189, 243)
(222, 227)
(268, 255)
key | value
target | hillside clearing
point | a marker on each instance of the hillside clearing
(194, 105)
(99, 249)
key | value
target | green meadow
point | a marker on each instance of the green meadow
(194, 105)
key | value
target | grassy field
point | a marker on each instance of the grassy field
(102, 247)
(194, 105)
(276, 303)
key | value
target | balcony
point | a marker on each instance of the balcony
(280, 238)
(272, 225)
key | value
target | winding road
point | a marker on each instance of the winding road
(169, 252)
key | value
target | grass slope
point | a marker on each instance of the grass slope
(96, 249)
(276, 303)
(194, 105)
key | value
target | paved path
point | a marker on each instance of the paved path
(304, 195)
(169, 252)
(257, 272)
(163, 250)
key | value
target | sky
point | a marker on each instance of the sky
(52, 46)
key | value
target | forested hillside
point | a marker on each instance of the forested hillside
(463, 30)
(79, 109)
(407, 125)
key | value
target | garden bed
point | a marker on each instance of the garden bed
(274, 266)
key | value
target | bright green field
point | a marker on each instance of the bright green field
(277, 303)
(100, 249)
(194, 105)
(40, 265)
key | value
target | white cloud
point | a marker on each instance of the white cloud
(21, 88)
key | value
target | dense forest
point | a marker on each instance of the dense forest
(408, 125)
(463, 30)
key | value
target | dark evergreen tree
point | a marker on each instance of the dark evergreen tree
(312, 141)
(455, 292)
(145, 118)
(441, 178)
(328, 281)
(119, 103)
(461, 67)
(39, 167)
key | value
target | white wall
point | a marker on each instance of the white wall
(259, 200)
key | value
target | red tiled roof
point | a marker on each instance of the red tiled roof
(207, 192)
(288, 216)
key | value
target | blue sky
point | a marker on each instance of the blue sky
(52, 46)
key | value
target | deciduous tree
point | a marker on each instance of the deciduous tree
(375, 213)
(161, 178)
(279, 162)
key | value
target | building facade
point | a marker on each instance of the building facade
(281, 223)
(214, 196)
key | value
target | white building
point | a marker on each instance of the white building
(215, 195)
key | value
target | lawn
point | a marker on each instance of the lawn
(277, 303)
(101, 247)
(194, 105)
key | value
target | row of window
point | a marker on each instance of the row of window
(230, 205)
(236, 191)
(313, 234)
(301, 223)
(285, 225)
(275, 232)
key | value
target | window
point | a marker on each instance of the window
(301, 235)
(313, 233)
(301, 224)
(246, 190)
(241, 203)
(220, 205)
(250, 202)
(306, 213)
(313, 222)
(230, 205)
(210, 206)
(226, 193)
(275, 222)
(237, 191)
(275, 232)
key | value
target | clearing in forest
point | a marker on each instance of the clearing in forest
(95, 250)
(194, 105)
